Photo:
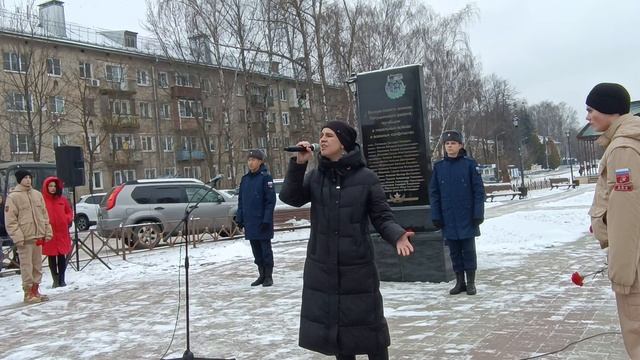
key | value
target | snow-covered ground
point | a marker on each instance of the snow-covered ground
(513, 231)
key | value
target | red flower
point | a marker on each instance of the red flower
(577, 278)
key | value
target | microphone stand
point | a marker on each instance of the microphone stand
(188, 355)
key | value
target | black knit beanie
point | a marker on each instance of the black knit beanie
(21, 173)
(345, 133)
(609, 98)
(451, 135)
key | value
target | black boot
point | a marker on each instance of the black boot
(53, 267)
(471, 282)
(268, 279)
(62, 268)
(260, 278)
(460, 285)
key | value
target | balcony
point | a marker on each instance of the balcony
(118, 88)
(122, 159)
(189, 125)
(121, 123)
(185, 92)
(261, 101)
(188, 155)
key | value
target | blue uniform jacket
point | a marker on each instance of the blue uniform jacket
(256, 202)
(456, 194)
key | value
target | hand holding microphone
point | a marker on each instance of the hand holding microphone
(304, 151)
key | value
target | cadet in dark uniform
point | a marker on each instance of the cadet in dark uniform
(256, 202)
(457, 195)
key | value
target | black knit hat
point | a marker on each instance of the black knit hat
(451, 135)
(256, 154)
(345, 133)
(21, 173)
(609, 98)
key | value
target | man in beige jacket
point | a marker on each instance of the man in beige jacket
(615, 213)
(27, 224)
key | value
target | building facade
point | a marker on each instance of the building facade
(138, 114)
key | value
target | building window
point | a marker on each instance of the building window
(56, 104)
(229, 171)
(20, 144)
(285, 118)
(150, 173)
(189, 143)
(120, 176)
(188, 108)
(184, 80)
(167, 143)
(114, 73)
(239, 89)
(165, 111)
(15, 102)
(85, 70)
(206, 113)
(192, 172)
(142, 77)
(147, 143)
(94, 143)
(144, 109)
(120, 107)
(97, 180)
(14, 62)
(275, 142)
(283, 94)
(59, 140)
(130, 40)
(227, 144)
(163, 79)
(53, 67)
(170, 171)
(262, 142)
(205, 85)
(242, 115)
(212, 144)
(122, 142)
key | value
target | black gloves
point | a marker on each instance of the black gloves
(437, 223)
(240, 226)
(265, 227)
(477, 222)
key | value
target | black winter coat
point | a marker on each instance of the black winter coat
(342, 310)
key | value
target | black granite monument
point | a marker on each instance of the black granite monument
(395, 142)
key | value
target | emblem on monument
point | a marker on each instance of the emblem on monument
(394, 87)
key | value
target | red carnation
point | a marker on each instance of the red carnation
(577, 278)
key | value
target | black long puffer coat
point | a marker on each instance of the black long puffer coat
(342, 310)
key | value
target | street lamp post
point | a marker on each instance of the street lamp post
(567, 133)
(522, 188)
(497, 149)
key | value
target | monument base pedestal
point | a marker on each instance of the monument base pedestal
(430, 262)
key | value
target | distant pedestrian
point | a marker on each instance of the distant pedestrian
(60, 218)
(616, 203)
(581, 170)
(256, 203)
(27, 224)
(457, 196)
(342, 312)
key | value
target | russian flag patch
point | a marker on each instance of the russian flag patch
(623, 180)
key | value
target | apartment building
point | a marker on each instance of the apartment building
(137, 113)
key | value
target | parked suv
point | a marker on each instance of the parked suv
(158, 206)
(87, 210)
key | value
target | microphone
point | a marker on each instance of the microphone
(313, 147)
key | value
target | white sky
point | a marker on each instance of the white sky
(548, 50)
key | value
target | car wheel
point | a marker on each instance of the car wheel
(82, 222)
(146, 236)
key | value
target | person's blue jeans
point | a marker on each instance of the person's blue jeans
(262, 253)
(463, 254)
